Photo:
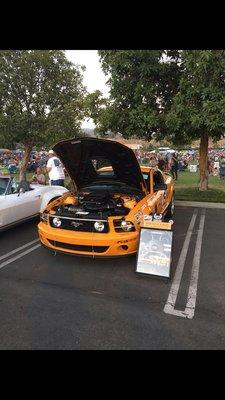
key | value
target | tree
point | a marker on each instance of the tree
(100, 109)
(198, 109)
(95, 105)
(175, 95)
(41, 99)
(94, 102)
(142, 84)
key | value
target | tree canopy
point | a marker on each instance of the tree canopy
(198, 109)
(175, 95)
(142, 83)
(198, 106)
(41, 98)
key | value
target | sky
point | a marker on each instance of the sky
(94, 78)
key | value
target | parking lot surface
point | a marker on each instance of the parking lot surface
(58, 301)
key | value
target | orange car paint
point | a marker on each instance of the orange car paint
(118, 244)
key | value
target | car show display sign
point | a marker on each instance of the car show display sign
(155, 249)
(193, 168)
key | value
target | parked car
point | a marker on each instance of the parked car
(20, 202)
(114, 195)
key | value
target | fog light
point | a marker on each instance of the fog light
(126, 226)
(57, 222)
(99, 226)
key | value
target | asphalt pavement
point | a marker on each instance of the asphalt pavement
(67, 302)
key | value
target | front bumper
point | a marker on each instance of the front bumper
(110, 244)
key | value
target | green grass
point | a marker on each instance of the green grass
(193, 194)
(186, 188)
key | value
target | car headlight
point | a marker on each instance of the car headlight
(99, 226)
(127, 226)
(44, 217)
(57, 222)
(123, 226)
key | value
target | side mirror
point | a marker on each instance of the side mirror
(160, 186)
(22, 190)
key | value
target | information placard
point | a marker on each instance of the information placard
(193, 168)
(154, 252)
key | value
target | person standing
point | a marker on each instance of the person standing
(152, 161)
(38, 177)
(55, 170)
(167, 164)
(174, 166)
(161, 163)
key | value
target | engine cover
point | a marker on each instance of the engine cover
(98, 202)
(94, 205)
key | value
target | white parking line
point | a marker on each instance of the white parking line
(192, 293)
(18, 249)
(170, 304)
(10, 260)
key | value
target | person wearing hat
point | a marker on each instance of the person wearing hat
(55, 170)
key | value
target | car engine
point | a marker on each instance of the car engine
(96, 205)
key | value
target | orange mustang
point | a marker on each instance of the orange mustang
(113, 196)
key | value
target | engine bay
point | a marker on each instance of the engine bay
(95, 205)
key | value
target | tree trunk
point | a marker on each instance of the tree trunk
(24, 163)
(203, 163)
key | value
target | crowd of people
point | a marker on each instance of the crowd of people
(216, 163)
(175, 161)
(45, 165)
(12, 160)
(47, 168)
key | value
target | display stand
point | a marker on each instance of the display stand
(155, 248)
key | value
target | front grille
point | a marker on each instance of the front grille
(77, 247)
(79, 225)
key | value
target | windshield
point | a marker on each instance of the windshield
(112, 188)
(3, 185)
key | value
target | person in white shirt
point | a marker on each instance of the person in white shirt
(55, 170)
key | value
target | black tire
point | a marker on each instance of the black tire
(170, 209)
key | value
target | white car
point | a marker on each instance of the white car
(21, 202)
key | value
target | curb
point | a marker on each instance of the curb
(199, 204)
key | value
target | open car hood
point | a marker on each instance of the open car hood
(79, 155)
